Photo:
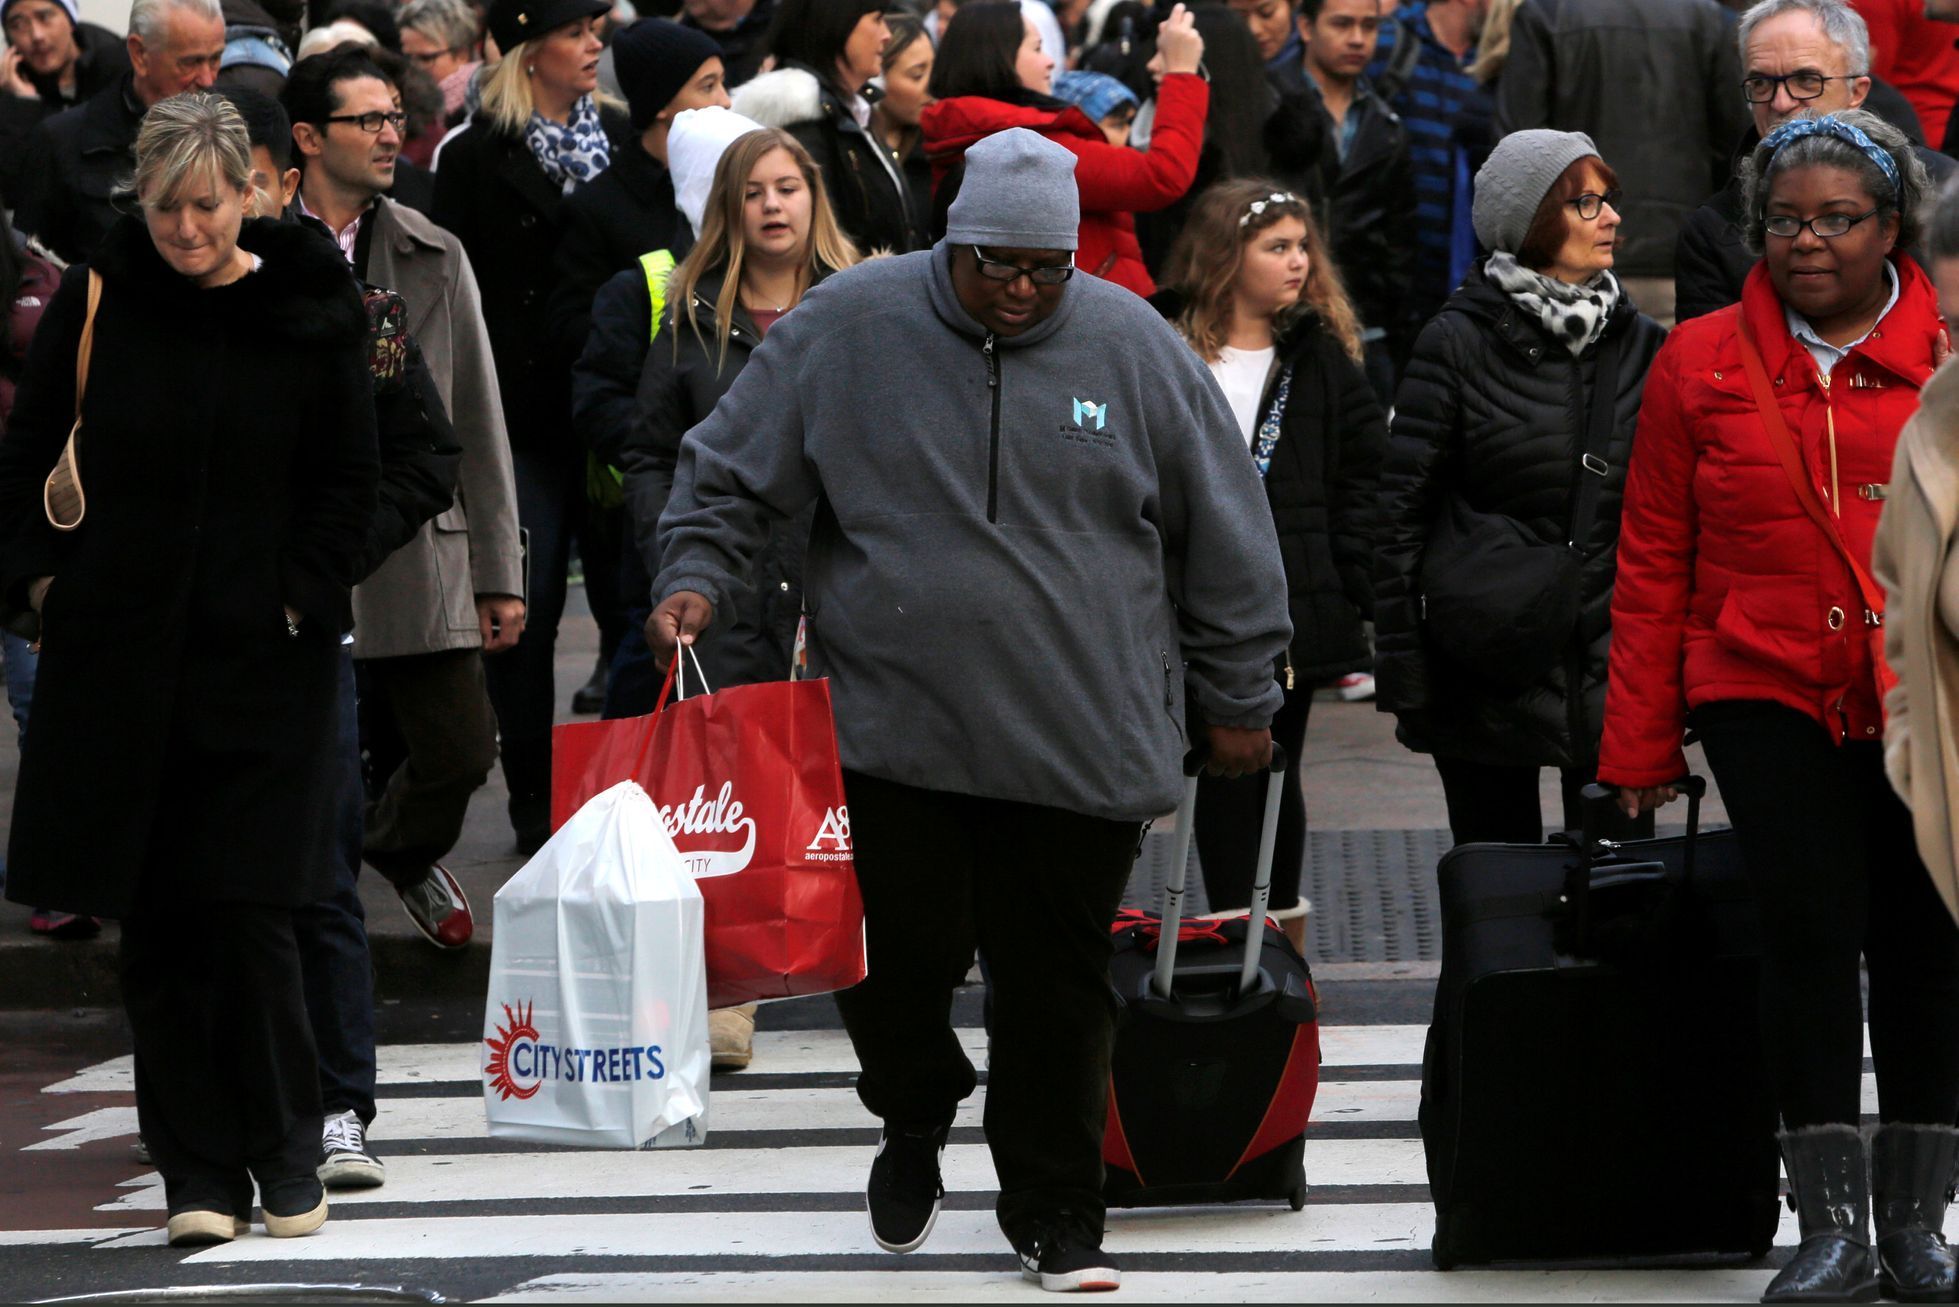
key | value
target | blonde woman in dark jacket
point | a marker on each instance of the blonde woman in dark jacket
(767, 235)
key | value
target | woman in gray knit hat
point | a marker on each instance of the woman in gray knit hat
(1511, 432)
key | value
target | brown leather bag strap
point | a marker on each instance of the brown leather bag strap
(87, 346)
(1785, 450)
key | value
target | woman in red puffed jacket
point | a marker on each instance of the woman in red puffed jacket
(991, 74)
(1737, 613)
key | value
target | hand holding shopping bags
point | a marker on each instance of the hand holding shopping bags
(748, 785)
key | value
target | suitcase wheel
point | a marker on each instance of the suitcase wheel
(1298, 1195)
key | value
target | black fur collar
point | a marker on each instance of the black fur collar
(304, 291)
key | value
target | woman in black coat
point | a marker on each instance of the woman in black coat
(826, 53)
(1501, 432)
(1257, 296)
(540, 134)
(183, 775)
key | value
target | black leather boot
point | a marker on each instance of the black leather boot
(1830, 1191)
(1911, 1183)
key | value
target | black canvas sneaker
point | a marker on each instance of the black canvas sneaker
(905, 1189)
(1063, 1259)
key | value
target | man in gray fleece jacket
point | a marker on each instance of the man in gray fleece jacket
(1037, 524)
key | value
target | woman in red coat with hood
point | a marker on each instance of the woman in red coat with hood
(1743, 611)
(991, 74)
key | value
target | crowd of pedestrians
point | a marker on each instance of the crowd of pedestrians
(1071, 385)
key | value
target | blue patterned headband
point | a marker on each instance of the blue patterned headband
(1831, 125)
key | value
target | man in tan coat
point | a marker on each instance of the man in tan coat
(426, 617)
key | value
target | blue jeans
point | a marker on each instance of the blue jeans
(332, 936)
(632, 685)
(21, 663)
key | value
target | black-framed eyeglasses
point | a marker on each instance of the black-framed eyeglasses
(1048, 274)
(1804, 85)
(1827, 225)
(1591, 204)
(371, 123)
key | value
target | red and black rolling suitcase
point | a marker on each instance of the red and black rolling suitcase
(1594, 1084)
(1217, 1053)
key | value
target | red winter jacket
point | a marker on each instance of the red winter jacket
(1726, 589)
(1116, 182)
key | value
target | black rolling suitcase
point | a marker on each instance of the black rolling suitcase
(1217, 1053)
(1593, 1085)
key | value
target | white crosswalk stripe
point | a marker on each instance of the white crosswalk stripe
(771, 1208)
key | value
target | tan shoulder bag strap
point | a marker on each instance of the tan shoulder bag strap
(62, 496)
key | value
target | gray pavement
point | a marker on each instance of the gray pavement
(1376, 811)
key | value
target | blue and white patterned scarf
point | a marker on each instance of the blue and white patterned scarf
(573, 153)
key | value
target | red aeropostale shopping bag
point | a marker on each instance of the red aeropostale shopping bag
(748, 784)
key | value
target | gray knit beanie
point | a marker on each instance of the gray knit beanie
(1018, 193)
(1514, 180)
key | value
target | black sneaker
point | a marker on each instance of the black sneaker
(905, 1189)
(1063, 1259)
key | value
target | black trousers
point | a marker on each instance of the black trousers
(1230, 814)
(227, 1085)
(1494, 804)
(1036, 888)
(432, 740)
(551, 505)
(1829, 850)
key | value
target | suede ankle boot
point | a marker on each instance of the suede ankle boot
(1911, 1183)
(1829, 1187)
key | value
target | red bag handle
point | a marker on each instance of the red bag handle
(1785, 450)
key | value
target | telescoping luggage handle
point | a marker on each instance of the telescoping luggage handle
(1173, 892)
(1592, 850)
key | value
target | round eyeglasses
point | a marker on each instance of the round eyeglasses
(1591, 203)
(1827, 225)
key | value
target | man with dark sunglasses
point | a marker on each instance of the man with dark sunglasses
(1036, 525)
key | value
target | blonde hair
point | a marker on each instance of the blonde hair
(1493, 45)
(722, 243)
(186, 138)
(508, 100)
(1209, 252)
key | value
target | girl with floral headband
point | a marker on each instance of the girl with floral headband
(1257, 296)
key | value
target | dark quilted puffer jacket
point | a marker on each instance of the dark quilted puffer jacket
(1491, 411)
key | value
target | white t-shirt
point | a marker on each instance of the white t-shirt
(1241, 373)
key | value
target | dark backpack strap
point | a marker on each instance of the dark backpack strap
(1593, 470)
(1407, 52)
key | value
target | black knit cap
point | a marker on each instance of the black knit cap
(654, 58)
(513, 22)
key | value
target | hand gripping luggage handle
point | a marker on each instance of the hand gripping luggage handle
(1578, 885)
(1173, 891)
(1596, 797)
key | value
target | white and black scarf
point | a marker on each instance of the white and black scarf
(572, 153)
(1574, 315)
